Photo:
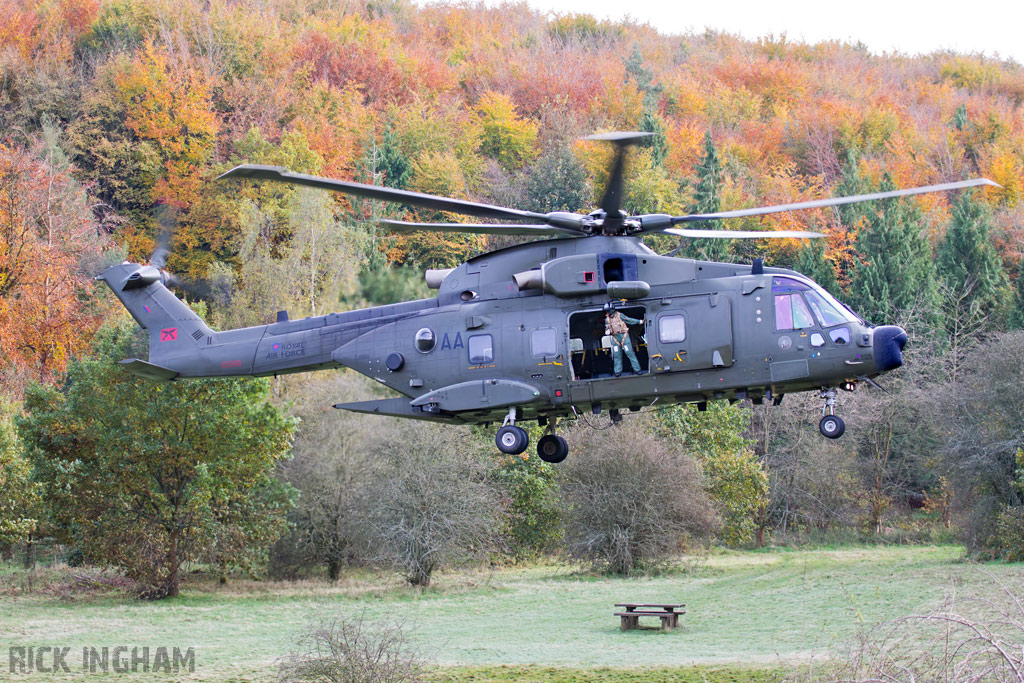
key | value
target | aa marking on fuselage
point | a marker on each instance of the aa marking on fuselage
(447, 343)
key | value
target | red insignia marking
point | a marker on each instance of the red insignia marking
(231, 364)
(169, 334)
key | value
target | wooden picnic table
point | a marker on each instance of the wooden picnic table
(630, 618)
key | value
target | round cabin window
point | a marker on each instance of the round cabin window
(425, 340)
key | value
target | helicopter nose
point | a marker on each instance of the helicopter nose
(889, 341)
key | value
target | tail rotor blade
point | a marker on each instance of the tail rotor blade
(167, 219)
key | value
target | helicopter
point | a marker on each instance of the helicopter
(524, 333)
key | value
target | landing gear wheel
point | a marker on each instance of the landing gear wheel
(512, 440)
(552, 448)
(832, 426)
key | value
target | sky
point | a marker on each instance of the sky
(994, 27)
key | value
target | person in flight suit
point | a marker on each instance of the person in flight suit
(616, 326)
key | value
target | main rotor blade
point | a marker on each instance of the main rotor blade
(387, 194)
(835, 201)
(481, 228)
(744, 234)
(611, 202)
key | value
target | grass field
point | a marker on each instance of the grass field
(750, 615)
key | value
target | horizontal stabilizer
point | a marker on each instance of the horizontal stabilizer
(141, 368)
(396, 407)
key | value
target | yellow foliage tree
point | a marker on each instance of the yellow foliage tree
(1007, 170)
(505, 137)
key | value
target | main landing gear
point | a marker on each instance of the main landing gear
(551, 447)
(831, 425)
(513, 440)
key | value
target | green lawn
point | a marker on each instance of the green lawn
(746, 610)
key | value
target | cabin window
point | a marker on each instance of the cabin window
(817, 341)
(481, 349)
(425, 340)
(791, 313)
(544, 342)
(671, 329)
(840, 335)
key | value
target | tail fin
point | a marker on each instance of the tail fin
(175, 332)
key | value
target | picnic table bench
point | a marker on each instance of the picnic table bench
(634, 610)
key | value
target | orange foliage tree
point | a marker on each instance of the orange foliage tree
(47, 313)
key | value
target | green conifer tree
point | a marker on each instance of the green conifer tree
(1016, 317)
(392, 162)
(706, 199)
(851, 183)
(969, 266)
(896, 277)
(811, 262)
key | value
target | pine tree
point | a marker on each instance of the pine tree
(650, 122)
(851, 183)
(960, 120)
(897, 276)
(811, 261)
(706, 199)
(392, 162)
(968, 264)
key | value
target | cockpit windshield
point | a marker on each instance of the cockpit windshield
(826, 308)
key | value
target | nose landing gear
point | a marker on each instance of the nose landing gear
(831, 425)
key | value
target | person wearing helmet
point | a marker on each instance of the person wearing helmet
(616, 327)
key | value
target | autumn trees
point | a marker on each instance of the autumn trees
(146, 477)
(118, 115)
(47, 234)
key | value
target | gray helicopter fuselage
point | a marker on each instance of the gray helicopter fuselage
(522, 329)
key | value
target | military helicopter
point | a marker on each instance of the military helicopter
(520, 333)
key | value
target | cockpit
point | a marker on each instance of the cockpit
(795, 300)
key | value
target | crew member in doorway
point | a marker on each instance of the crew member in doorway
(616, 326)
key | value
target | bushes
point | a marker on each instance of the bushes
(631, 498)
(429, 503)
(532, 505)
(1008, 538)
(983, 452)
(971, 638)
(352, 650)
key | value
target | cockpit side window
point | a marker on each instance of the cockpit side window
(791, 313)
(827, 309)
(828, 313)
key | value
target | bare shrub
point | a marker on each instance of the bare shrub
(984, 439)
(967, 640)
(431, 502)
(352, 650)
(331, 465)
(632, 500)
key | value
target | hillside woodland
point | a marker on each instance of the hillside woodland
(116, 116)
